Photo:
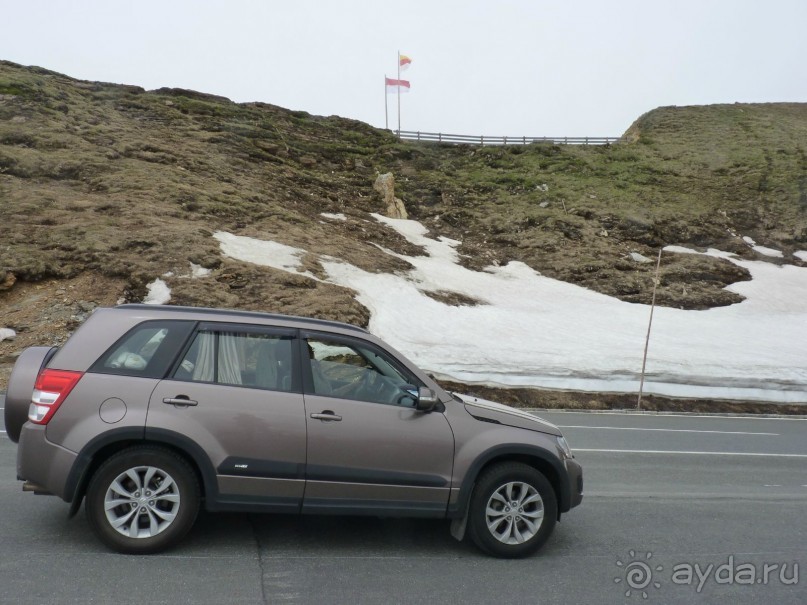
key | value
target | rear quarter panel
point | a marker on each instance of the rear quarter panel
(100, 403)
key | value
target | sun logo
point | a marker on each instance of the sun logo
(638, 574)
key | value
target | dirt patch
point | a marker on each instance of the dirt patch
(47, 312)
(573, 400)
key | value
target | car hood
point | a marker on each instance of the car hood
(504, 414)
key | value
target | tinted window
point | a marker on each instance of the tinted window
(146, 350)
(353, 371)
(239, 358)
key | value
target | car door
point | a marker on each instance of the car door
(235, 396)
(369, 451)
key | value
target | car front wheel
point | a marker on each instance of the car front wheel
(513, 510)
(142, 500)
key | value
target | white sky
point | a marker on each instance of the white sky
(495, 67)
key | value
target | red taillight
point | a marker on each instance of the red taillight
(51, 388)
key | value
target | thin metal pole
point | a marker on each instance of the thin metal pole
(386, 111)
(649, 325)
(399, 94)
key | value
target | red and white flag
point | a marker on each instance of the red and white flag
(403, 62)
(395, 86)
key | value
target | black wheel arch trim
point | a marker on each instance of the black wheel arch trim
(504, 451)
(78, 478)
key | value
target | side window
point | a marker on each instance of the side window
(239, 358)
(353, 371)
(146, 350)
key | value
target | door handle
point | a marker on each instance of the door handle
(326, 415)
(182, 400)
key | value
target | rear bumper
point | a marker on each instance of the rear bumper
(43, 463)
(575, 474)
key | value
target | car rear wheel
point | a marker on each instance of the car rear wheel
(142, 500)
(513, 510)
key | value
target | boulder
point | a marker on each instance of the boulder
(385, 186)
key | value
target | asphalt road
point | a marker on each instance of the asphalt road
(686, 509)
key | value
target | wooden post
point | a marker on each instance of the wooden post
(649, 325)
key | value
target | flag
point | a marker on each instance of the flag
(403, 62)
(394, 86)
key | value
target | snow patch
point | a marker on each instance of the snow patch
(7, 334)
(768, 251)
(762, 249)
(198, 271)
(158, 293)
(336, 217)
(533, 331)
(639, 258)
(262, 252)
(801, 255)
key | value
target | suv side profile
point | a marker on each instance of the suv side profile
(148, 413)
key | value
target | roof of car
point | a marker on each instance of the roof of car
(233, 312)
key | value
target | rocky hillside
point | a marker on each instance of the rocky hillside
(105, 187)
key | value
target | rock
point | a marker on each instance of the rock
(385, 185)
(7, 280)
(359, 167)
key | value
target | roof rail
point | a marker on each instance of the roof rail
(238, 313)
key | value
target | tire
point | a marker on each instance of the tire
(142, 500)
(501, 529)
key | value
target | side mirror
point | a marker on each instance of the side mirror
(426, 400)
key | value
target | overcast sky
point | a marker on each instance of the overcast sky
(498, 67)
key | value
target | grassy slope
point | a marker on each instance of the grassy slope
(122, 184)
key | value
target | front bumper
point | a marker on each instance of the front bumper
(575, 473)
(43, 463)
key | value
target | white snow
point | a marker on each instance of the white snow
(7, 334)
(158, 293)
(762, 249)
(262, 252)
(530, 330)
(198, 271)
(639, 258)
(336, 217)
(768, 251)
(801, 255)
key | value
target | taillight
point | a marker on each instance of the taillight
(51, 388)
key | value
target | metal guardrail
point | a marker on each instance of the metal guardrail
(463, 139)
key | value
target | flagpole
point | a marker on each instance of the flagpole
(399, 93)
(386, 111)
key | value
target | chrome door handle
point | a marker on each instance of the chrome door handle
(326, 415)
(183, 400)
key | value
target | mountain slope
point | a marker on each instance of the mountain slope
(106, 187)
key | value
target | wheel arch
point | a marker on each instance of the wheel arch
(538, 458)
(102, 447)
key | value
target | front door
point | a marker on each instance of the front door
(369, 450)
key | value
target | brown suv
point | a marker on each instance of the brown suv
(150, 412)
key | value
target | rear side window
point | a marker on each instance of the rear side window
(147, 350)
(250, 358)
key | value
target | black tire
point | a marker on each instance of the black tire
(516, 531)
(160, 505)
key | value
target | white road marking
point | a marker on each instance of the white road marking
(580, 449)
(628, 428)
(540, 412)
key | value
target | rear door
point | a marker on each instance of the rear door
(369, 450)
(235, 392)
